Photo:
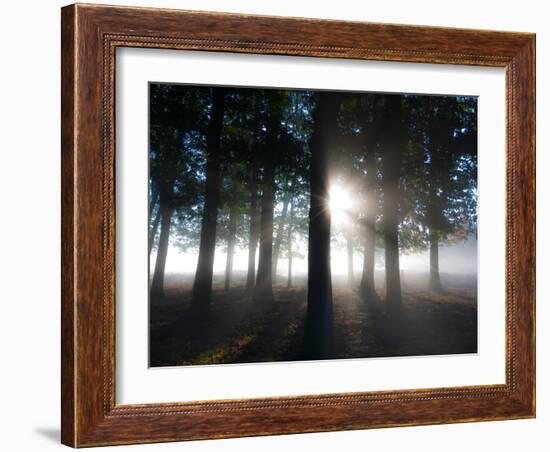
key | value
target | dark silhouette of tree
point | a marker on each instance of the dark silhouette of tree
(249, 172)
(292, 181)
(154, 198)
(157, 285)
(154, 230)
(393, 146)
(234, 198)
(254, 229)
(357, 168)
(233, 212)
(275, 154)
(165, 213)
(452, 173)
(170, 106)
(443, 174)
(244, 138)
(319, 334)
(263, 291)
(282, 220)
(202, 286)
(367, 287)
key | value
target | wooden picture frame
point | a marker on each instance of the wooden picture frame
(90, 36)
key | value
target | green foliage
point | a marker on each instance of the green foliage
(439, 183)
(438, 177)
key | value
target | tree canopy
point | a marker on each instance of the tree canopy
(261, 170)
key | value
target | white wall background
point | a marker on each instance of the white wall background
(29, 256)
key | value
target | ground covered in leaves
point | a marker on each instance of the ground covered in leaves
(237, 331)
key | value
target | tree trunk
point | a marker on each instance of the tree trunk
(435, 281)
(280, 231)
(154, 199)
(319, 334)
(290, 225)
(350, 262)
(393, 143)
(232, 230)
(254, 233)
(153, 232)
(391, 244)
(367, 288)
(157, 285)
(263, 291)
(202, 286)
(435, 218)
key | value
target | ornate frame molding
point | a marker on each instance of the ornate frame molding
(90, 36)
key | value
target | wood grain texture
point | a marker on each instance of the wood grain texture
(90, 36)
(68, 244)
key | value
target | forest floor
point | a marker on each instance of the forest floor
(237, 331)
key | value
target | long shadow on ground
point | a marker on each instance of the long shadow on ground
(238, 331)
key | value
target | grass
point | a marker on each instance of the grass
(237, 331)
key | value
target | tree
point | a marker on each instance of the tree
(234, 197)
(287, 195)
(233, 212)
(292, 182)
(452, 174)
(169, 105)
(202, 286)
(442, 174)
(289, 241)
(263, 290)
(274, 153)
(350, 234)
(154, 230)
(367, 287)
(245, 119)
(157, 285)
(154, 198)
(357, 169)
(254, 229)
(318, 334)
(393, 145)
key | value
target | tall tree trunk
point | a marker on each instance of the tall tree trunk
(367, 288)
(280, 231)
(391, 163)
(391, 245)
(435, 281)
(319, 334)
(232, 230)
(154, 199)
(157, 285)
(350, 262)
(153, 232)
(435, 217)
(263, 291)
(290, 225)
(202, 286)
(254, 232)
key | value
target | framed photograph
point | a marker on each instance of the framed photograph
(281, 225)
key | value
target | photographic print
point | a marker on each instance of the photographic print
(295, 224)
(297, 200)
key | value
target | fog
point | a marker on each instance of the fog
(458, 258)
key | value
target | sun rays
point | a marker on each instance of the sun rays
(340, 204)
